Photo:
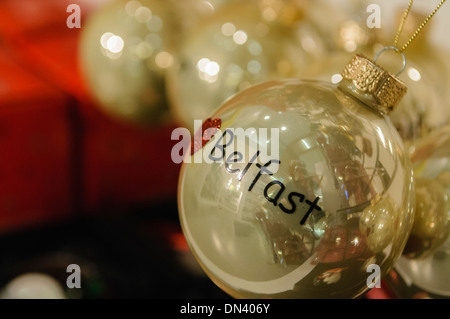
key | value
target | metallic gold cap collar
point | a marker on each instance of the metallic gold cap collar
(371, 84)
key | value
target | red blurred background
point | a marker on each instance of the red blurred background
(60, 155)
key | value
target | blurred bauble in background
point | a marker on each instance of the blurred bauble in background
(33, 286)
(426, 106)
(239, 46)
(415, 115)
(430, 157)
(433, 58)
(125, 50)
(431, 220)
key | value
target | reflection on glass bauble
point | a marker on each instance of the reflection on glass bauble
(231, 51)
(301, 213)
(124, 54)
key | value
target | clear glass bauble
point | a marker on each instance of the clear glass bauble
(125, 50)
(194, 12)
(231, 51)
(302, 213)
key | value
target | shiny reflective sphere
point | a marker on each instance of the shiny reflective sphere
(303, 208)
(125, 52)
(426, 258)
(231, 51)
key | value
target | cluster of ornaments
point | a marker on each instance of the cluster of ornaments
(320, 164)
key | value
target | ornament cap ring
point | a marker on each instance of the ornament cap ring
(396, 50)
(371, 84)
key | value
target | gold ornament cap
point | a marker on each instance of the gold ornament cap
(372, 85)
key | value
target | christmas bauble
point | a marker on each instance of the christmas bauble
(125, 51)
(33, 286)
(231, 51)
(302, 189)
(431, 163)
(425, 262)
(420, 111)
(431, 221)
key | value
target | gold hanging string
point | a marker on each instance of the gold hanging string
(402, 23)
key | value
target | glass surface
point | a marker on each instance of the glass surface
(340, 199)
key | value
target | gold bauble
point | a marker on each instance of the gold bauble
(125, 50)
(231, 51)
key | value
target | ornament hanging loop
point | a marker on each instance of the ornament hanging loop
(402, 23)
(397, 50)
